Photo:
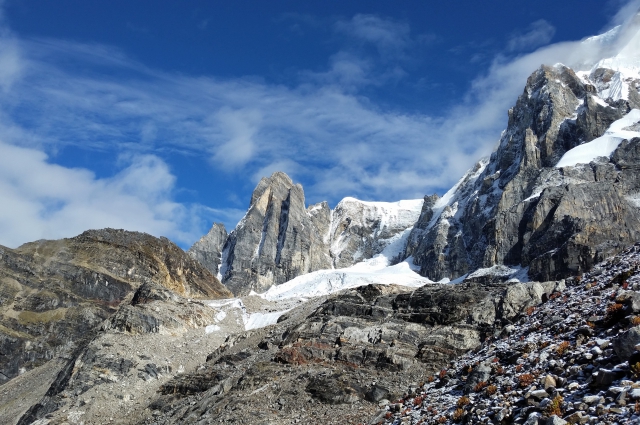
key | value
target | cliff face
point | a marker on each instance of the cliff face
(53, 294)
(276, 240)
(529, 204)
(208, 250)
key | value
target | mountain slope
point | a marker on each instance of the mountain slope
(55, 293)
(521, 208)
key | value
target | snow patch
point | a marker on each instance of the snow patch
(376, 270)
(603, 145)
(514, 274)
(261, 320)
(249, 320)
(211, 328)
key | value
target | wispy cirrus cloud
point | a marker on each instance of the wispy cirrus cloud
(538, 34)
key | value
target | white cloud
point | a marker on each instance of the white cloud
(539, 33)
(44, 200)
(390, 37)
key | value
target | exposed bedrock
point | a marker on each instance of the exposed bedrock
(517, 208)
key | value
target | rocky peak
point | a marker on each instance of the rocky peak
(278, 239)
(275, 241)
(208, 250)
(519, 208)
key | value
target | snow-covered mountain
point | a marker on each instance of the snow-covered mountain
(558, 194)
(279, 239)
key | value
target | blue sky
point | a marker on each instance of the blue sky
(162, 116)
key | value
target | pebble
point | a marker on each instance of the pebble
(583, 379)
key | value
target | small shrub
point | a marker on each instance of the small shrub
(430, 379)
(526, 379)
(614, 308)
(555, 407)
(615, 312)
(458, 414)
(635, 369)
(491, 390)
(495, 360)
(530, 310)
(499, 370)
(479, 386)
(562, 347)
(635, 321)
(442, 419)
(442, 374)
(418, 401)
(519, 368)
(544, 344)
(463, 401)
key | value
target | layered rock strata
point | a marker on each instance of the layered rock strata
(351, 353)
(54, 293)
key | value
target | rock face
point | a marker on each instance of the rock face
(340, 360)
(360, 230)
(208, 250)
(276, 240)
(54, 293)
(518, 208)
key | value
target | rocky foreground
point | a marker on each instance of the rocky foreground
(573, 359)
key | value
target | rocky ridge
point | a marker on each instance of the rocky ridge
(336, 360)
(573, 359)
(208, 249)
(54, 294)
(279, 238)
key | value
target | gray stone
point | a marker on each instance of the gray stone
(208, 250)
(539, 394)
(549, 382)
(555, 420)
(480, 373)
(624, 344)
(604, 378)
(592, 399)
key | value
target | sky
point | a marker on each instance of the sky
(162, 116)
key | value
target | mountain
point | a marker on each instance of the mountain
(54, 294)
(122, 327)
(558, 195)
(539, 202)
(280, 239)
(208, 250)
